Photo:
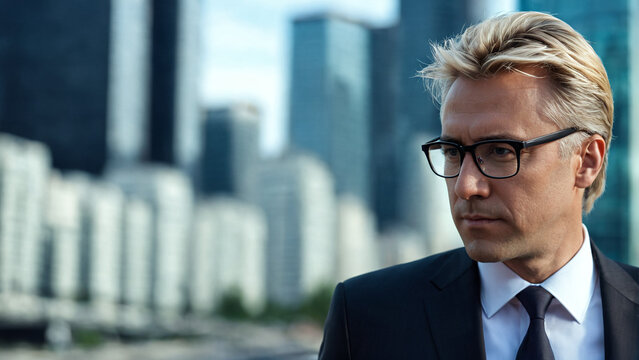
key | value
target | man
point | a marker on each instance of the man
(526, 112)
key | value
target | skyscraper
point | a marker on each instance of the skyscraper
(422, 22)
(230, 151)
(384, 66)
(329, 98)
(609, 25)
(67, 74)
(633, 148)
(174, 112)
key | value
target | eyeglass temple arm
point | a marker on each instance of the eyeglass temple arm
(550, 137)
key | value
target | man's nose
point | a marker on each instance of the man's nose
(470, 181)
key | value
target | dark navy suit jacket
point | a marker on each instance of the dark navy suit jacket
(430, 309)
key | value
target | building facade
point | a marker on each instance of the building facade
(357, 250)
(329, 98)
(63, 232)
(135, 262)
(169, 193)
(298, 198)
(384, 66)
(66, 79)
(230, 151)
(228, 254)
(24, 172)
(174, 112)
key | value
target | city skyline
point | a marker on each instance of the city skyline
(246, 51)
(350, 193)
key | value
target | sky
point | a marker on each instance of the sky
(245, 52)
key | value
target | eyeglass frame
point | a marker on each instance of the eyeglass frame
(516, 144)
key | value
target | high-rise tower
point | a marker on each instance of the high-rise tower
(329, 97)
(73, 76)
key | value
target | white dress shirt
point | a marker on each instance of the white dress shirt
(574, 320)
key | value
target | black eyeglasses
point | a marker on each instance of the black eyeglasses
(497, 159)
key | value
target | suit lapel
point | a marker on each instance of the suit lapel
(454, 311)
(620, 304)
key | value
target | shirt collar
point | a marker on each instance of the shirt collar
(572, 285)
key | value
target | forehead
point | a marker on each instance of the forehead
(508, 103)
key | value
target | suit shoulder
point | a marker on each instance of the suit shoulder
(633, 271)
(409, 274)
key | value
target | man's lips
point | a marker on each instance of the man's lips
(478, 219)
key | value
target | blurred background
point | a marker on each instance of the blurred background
(189, 179)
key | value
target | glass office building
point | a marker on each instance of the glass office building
(423, 22)
(230, 151)
(329, 98)
(384, 77)
(174, 114)
(72, 75)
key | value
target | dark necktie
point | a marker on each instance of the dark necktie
(535, 345)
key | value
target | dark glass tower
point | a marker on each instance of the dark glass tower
(174, 114)
(421, 23)
(329, 98)
(230, 151)
(54, 77)
(73, 75)
(384, 89)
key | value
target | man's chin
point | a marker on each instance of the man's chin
(485, 251)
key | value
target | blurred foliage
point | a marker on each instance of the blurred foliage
(231, 305)
(86, 338)
(313, 308)
(275, 312)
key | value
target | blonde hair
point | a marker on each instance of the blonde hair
(581, 94)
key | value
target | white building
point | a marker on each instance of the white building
(228, 253)
(63, 238)
(102, 207)
(202, 258)
(400, 245)
(357, 245)
(135, 275)
(24, 171)
(297, 194)
(170, 195)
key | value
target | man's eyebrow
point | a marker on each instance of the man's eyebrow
(500, 136)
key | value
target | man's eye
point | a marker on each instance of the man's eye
(450, 152)
(501, 151)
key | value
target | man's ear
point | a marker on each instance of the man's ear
(592, 155)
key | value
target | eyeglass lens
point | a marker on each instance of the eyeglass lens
(494, 159)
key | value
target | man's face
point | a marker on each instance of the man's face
(525, 216)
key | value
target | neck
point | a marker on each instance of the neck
(538, 267)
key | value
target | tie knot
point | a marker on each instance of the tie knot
(535, 300)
